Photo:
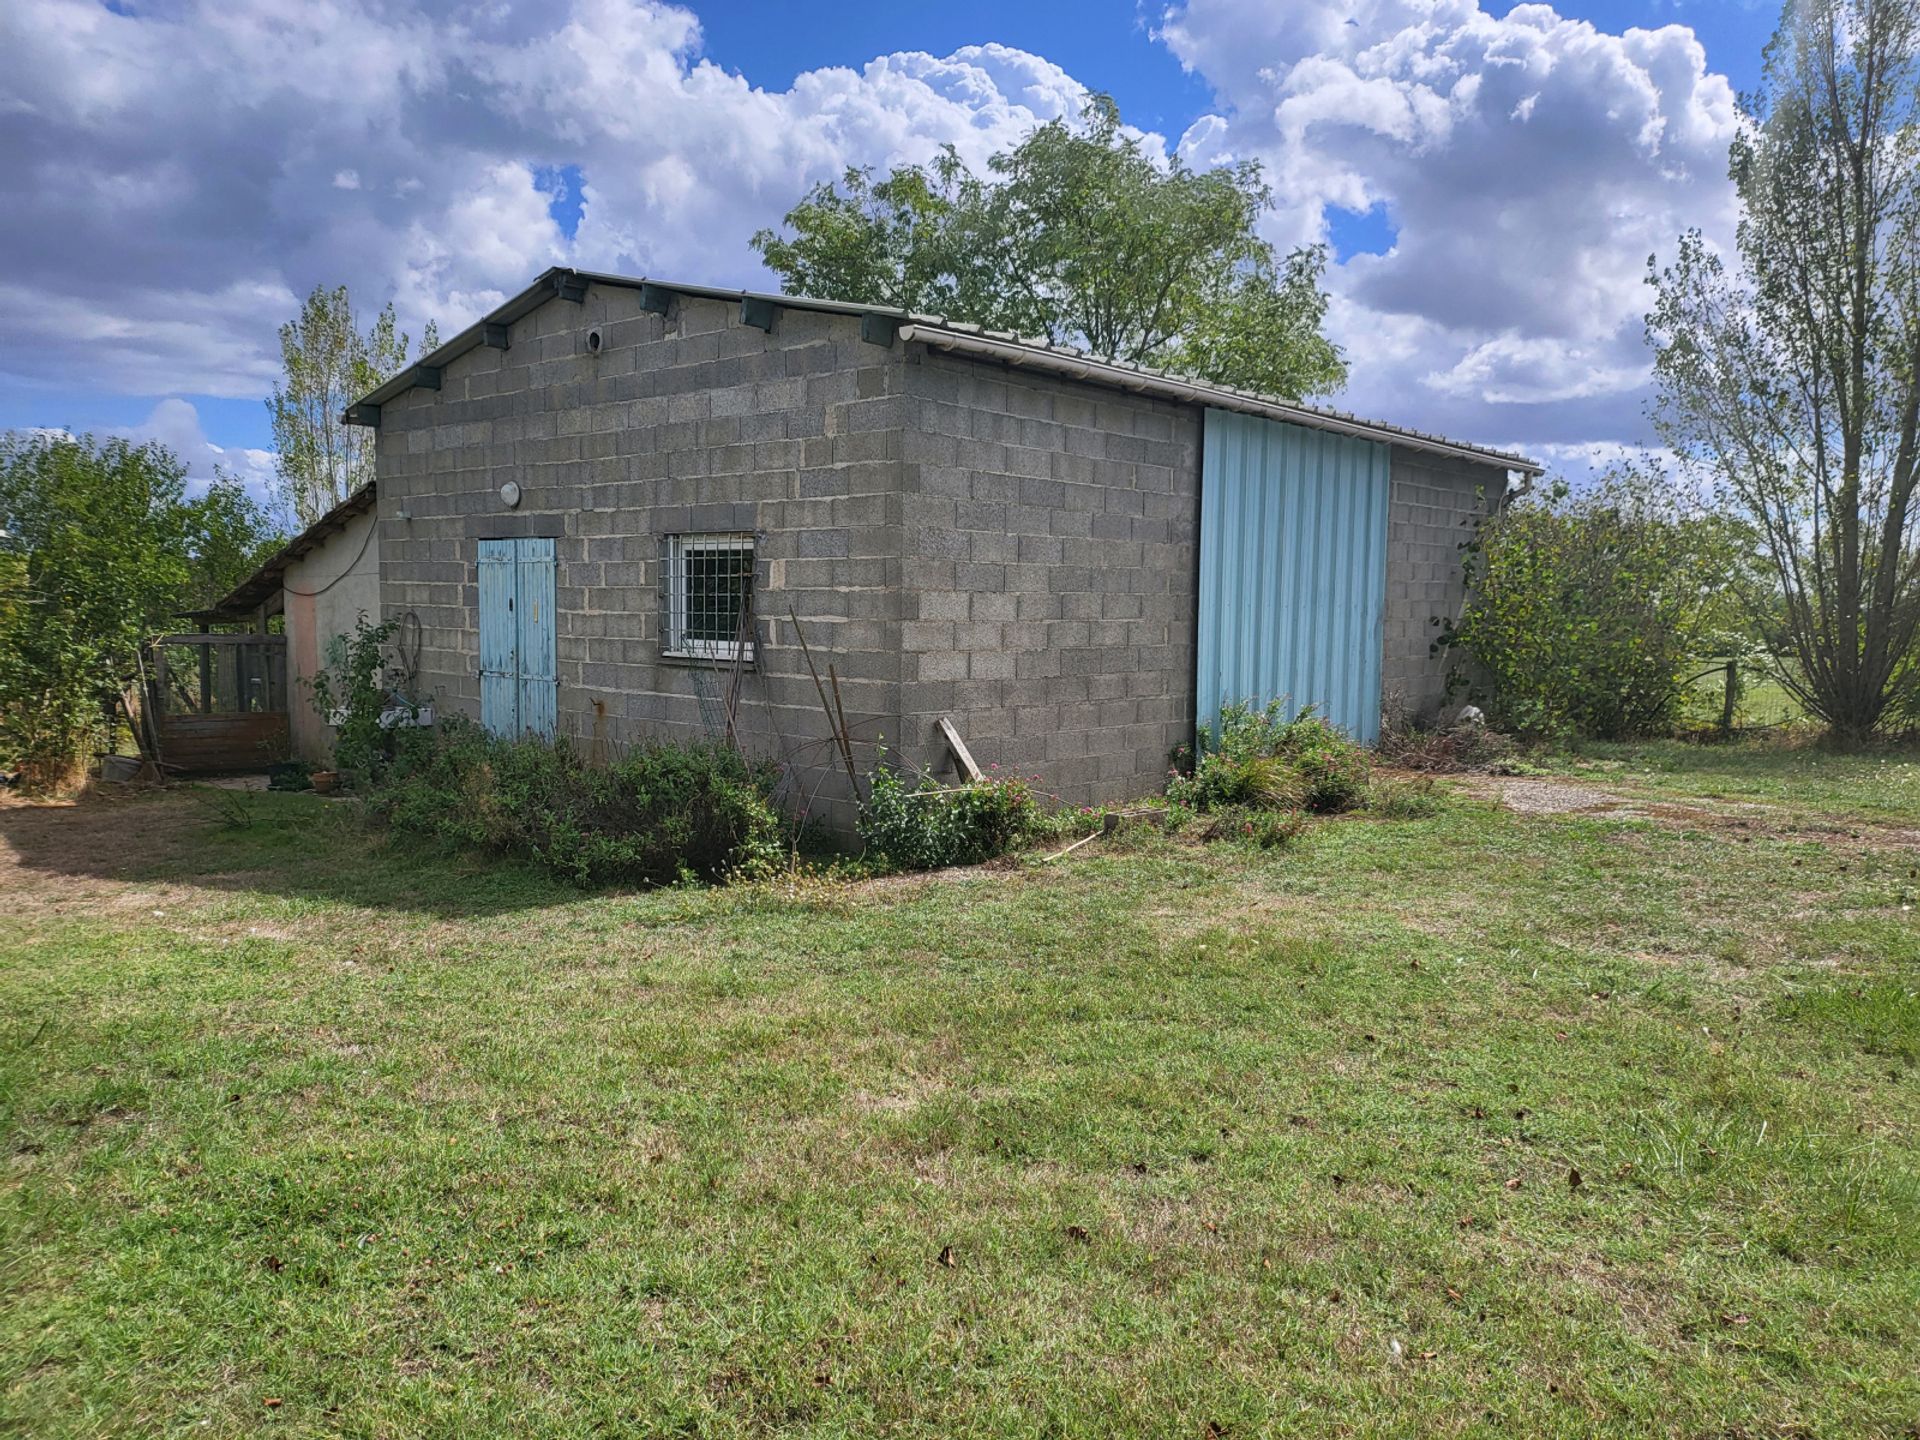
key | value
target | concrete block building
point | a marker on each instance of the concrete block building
(622, 509)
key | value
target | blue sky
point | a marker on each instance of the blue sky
(1108, 43)
(176, 173)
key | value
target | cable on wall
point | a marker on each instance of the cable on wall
(365, 540)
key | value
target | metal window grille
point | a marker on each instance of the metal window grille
(710, 597)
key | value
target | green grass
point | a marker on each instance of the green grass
(1269, 1142)
(1797, 774)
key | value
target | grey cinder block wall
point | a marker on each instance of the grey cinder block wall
(1435, 506)
(1051, 563)
(954, 537)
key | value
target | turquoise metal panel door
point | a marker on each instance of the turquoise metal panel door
(499, 639)
(1293, 559)
(519, 670)
(539, 669)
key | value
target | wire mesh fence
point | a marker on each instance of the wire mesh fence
(1742, 692)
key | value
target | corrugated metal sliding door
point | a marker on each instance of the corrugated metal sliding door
(1293, 557)
(518, 664)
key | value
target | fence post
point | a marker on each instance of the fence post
(1733, 692)
(206, 679)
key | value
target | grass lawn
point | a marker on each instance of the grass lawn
(1485, 1123)
(1793, 774)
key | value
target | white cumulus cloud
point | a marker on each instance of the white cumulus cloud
(1529, 163)
(175, 423)
(172, 179)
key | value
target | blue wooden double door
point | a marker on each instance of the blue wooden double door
(519, 671)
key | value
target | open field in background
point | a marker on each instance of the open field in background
(1797, 776)
(1598, 1119)
(1763, 702)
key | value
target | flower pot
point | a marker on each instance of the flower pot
(325, 782)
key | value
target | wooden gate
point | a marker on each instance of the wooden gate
(217, 702)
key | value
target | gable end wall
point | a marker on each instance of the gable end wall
(691, 422)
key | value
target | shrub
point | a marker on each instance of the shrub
(1262, 829)
(659, 814)
(918, 824)
(289, 775)
(352, 693)
(1331, 768)
(1263, 759)
(1588, 615)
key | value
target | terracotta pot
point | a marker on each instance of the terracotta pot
(325, 782)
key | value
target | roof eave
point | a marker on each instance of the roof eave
(249, 594)
(1173, 387)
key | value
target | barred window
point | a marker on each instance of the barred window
(710, 597)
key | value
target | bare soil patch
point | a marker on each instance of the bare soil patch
(1747, 820)
(58, 855)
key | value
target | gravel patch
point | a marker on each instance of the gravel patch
(1551, 797)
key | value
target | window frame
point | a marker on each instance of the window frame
(677, 644)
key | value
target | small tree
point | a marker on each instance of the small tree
(879, 242)
(1079, 236)
(1792, 380)
(98, 533)
(328, 365)
(1588, 615)
(99, 548)
(229, 534)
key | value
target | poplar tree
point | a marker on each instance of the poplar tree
(328, 364)
(1789, 372)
